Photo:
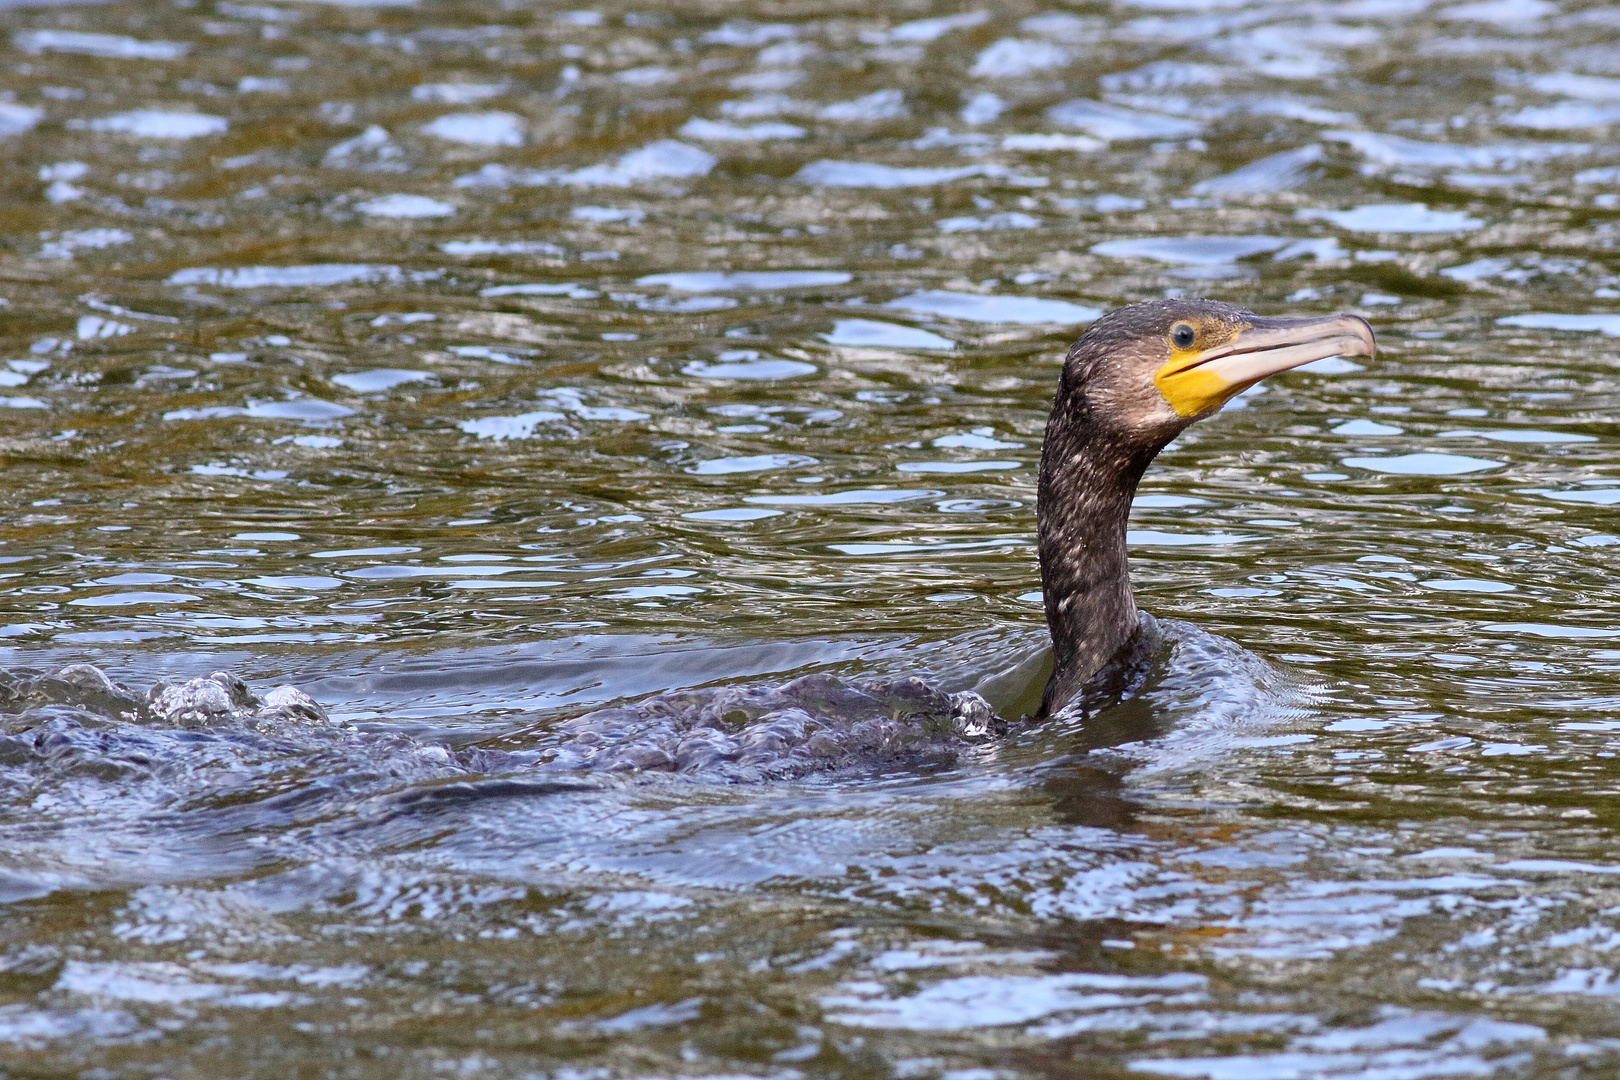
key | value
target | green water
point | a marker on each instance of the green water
(330, 359)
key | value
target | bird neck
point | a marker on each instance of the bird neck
(1087, 481)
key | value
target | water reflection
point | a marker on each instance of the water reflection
(477, 367)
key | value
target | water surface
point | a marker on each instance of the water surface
(472, 366)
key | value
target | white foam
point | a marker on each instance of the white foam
(1012, 58)
(478, 129)
(973, 307)
(1115, 122)
(288, 277)
(405, 206)
(157, 124)
(107, 46)
(1395, 218)
(718, 131)
(881, 335)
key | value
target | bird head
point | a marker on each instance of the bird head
(1144, 372)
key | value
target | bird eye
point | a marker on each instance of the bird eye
(1183, 336)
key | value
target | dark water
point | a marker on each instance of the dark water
(389, 352)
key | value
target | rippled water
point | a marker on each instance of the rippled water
(473, 366)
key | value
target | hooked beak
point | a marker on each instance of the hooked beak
(1197, 381)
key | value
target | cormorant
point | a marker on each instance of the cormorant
(1131, 383)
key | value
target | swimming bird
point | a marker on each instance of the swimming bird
(1137, 378)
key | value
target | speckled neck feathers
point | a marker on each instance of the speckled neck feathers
(1087, 482)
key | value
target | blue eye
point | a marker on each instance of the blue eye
(1183, 336)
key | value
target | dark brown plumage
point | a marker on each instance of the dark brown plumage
(1133, 382)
